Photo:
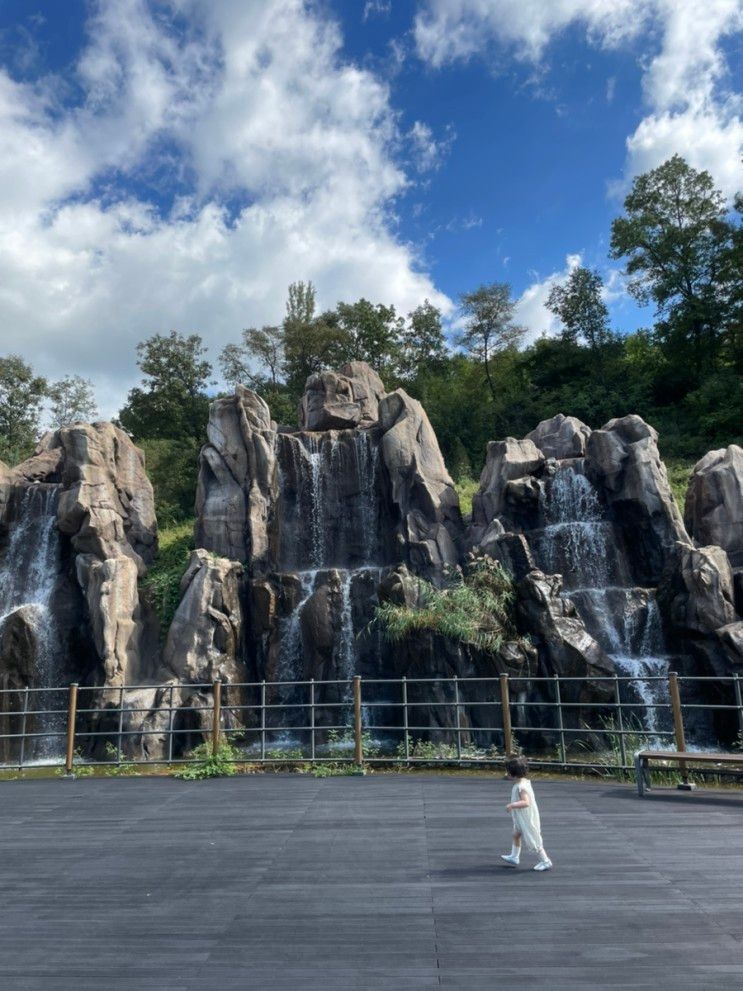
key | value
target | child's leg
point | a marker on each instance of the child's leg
(544, 863)
(516, 846)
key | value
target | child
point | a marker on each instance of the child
(525, 815)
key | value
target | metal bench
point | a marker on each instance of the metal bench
(682, 758)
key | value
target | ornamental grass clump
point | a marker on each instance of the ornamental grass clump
(474, 607)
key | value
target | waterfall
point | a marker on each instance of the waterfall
(27, 580)
(581, 543)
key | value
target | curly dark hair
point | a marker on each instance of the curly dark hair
(517, 767)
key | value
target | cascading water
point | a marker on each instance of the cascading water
(27, 580)
(331, 525)
(579, 542)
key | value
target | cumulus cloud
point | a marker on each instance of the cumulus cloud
(218, 150)
(531, 309)
(691, 107)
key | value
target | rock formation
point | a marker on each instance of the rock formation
(341, 400)
(561, 437)
(622, 459)
(714, 502)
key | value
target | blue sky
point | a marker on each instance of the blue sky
(177, 164)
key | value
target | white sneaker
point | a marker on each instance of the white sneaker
(543, 865)
(509, 859)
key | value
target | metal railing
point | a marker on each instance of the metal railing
(369, 720)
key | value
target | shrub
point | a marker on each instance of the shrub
(474, 607)
(209, 764)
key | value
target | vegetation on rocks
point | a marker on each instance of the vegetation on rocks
(162, 583)
(475, 607)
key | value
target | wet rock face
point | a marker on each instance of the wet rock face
(714, 502)
(561, 437)
(622, 460)
(341, 400)
(554, 621)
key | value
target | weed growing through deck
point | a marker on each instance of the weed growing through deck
(209, 763)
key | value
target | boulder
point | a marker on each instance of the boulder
(623, 460)
(730, 638)
(238, 484)
(506, 461)
(341, 400)
(427, 505)
(698, 589)
(561, 437)
(111, 592)
(205, 637)
(714, 502)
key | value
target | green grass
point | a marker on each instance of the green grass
(161, 584)
(466, 489)
(679, 473)
(474, 607)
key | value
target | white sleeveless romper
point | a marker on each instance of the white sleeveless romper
(526, 821)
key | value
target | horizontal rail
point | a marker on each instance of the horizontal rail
(316, 721)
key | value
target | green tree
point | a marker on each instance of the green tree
(581, 309)
(72, 401)
(21, 396)
(373, 333)
(311, 342)
(258, 350)
(423, 345)
(172, 401)
(676, 237)
(489, 326)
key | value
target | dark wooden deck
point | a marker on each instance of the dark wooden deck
(282, 882)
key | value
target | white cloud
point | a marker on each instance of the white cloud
(376, 8)
(531, 309)
(691, 108)
(247, 103)
(428, 151)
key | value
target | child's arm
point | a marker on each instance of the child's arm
(524, 802)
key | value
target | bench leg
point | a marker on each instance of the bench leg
(639, 776)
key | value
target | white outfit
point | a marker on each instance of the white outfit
(526, 821)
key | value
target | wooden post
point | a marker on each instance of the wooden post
(358, 741)
(216, 715)
(678, 725)
(121, 725)
(170, 724)
(71, 716)
(506, 716)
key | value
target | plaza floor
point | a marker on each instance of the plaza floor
(390, 881)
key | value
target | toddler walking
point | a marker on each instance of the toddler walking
(525, 815)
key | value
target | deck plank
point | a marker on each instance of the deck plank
(390, 881)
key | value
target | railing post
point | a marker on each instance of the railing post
(506, 716)
(678, 723)
(170, 725)
(739, 704)
(312, 719)
(406, 734)
(71, 716)
(358, 741)
(459, 724)
(121, 724)
(560, 723)
(216, 714)
(23, 729)
(620, 722)
(263, 720)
